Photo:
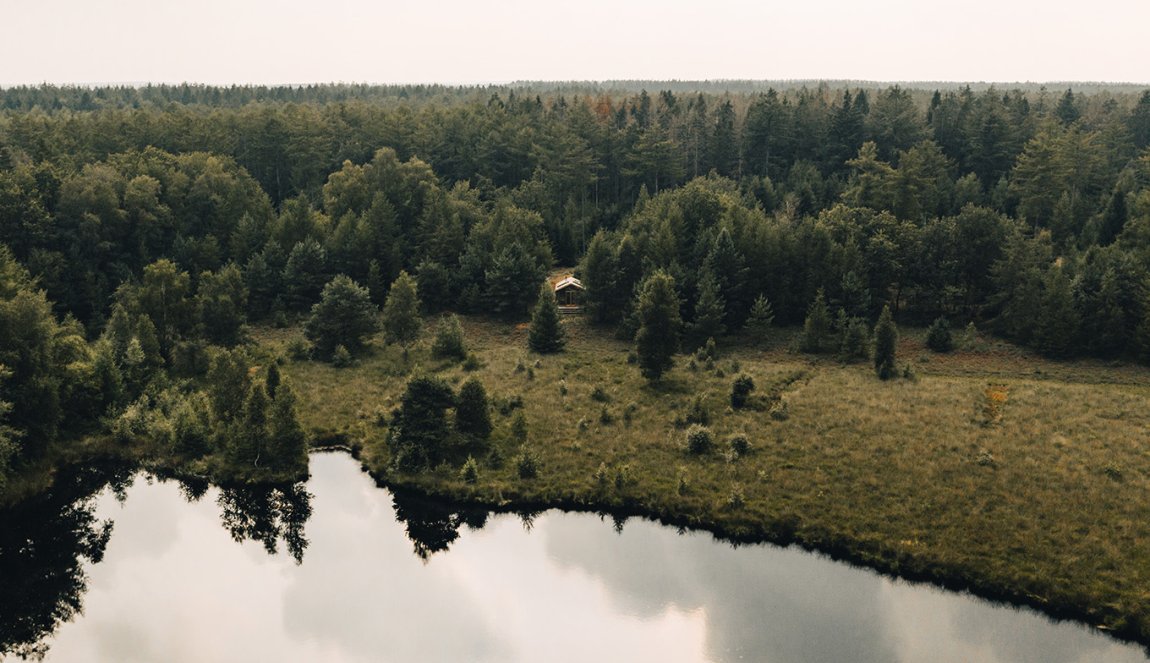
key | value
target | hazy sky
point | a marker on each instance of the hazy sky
(457, 41)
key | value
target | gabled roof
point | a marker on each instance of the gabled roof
(569, 282)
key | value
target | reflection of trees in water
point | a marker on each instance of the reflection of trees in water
(528, 519)
(268, 515)
(193, 489)
(43, 543)
(433, 526)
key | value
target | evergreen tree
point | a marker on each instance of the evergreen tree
(724, 148)
(164, 296)
(728, 266)
(434, 286)
(1106, 315)
(145, 334)
(1142, 332)
(119, 331)
(305, 274)
(762, 315)
(191, 426)
(249, 439)
(343, 316)
(1067, 110)
(135, 368)
(222, 300)
(419, 435)
(472, 412)
(263, 283)
(108, 377)
(1114, 218)
(1139, 122)
(817, 326)
(658, 313)
(599, 279)
(401, 320)
(885, 342)
(546, 334)
(511, 281)
(709, 306)
(287, 442)
(228, 386)
(938, 337)
(1056, 328)
(449, 339)
(854, 338)
(846, 132)
(855, 295)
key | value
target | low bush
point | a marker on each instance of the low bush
(739, 444)
(938, 337)
(699, 440)
(470, 471)
(341, 358)
(526, 464)
(741, 390)
(698, 413)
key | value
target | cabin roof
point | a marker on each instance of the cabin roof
(569, 282)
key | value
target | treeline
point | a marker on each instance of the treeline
(729, 258)
(161, 379)
(53, 98)
(141, 241)
(580, 160)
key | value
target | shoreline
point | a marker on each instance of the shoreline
(786, 533)
(1042, 507)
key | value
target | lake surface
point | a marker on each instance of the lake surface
(343, 571)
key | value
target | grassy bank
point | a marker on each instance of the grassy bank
(994, 470)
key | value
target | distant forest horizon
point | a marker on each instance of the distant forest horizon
(362, 89)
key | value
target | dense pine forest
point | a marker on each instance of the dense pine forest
(145, 227)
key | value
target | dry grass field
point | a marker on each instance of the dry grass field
(991, 469)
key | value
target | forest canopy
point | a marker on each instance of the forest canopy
(146, 226)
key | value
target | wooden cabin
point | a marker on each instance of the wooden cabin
(569, 293)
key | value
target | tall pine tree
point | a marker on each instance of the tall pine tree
(817, 326)
(401, 321)
(708, 322)
(546, 333)
(885, 342)
(658, 337)
(287, 442)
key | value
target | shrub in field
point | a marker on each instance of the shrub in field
(526, 464)
(699, 439)
(739, 444)
(470, 471)
(448, 341)
(741, 390)
(938, 337)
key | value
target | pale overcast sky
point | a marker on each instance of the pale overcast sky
(456, 41)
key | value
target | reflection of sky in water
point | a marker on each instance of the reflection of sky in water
(174, 587)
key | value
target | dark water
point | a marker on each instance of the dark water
(148, 570)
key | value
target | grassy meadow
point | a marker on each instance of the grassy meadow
(991, 469)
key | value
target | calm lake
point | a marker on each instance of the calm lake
(340, 570)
